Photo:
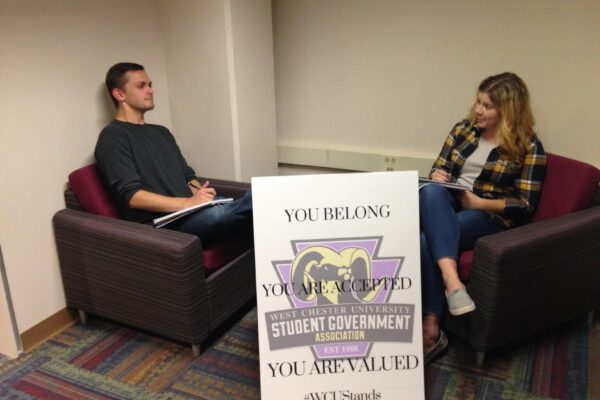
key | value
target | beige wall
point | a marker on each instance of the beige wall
(251, 52)
(196, 55)
(221, 82)
(52, 105)
(393, 76)
(9, 342)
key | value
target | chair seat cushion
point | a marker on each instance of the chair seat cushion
(464, 265)
(220, 253)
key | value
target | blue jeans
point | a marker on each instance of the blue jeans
(446, 229)
(217, 221)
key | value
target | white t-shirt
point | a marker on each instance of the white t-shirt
(474, 163)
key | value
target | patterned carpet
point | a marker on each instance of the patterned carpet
(102, 360)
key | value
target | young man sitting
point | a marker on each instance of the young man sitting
(145, 170)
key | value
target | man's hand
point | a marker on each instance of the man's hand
(149, 201)
(439, 175)
(202, 195)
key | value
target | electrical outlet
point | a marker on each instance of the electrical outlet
(390, 163)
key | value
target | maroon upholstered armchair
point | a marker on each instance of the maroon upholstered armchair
(158, 280)
(539, 275)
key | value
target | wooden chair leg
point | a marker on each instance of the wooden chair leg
(196, 350)
(479, 358)
(590, 319)
(83, 317)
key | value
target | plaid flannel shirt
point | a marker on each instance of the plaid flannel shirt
(519, 184)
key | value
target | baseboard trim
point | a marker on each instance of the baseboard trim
(49, 327)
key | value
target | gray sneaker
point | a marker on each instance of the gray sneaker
(459, 302)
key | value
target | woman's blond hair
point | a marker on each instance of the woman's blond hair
(514, 132)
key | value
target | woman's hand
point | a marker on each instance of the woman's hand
(439, 175)
(470, 201)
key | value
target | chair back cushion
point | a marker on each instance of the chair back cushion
(569, 186)
(91, 192)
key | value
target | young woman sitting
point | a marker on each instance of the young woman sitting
(497, 155)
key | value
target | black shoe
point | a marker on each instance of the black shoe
(439, 346)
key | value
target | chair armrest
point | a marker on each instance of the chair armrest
(133, 273)
(552, 265)
(228, 188)
(145, 241)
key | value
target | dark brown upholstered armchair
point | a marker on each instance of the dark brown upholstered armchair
(539, 275)
(153, 279)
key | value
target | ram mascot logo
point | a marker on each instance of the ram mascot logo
(327, 275)
(332, 285)
(339, 290)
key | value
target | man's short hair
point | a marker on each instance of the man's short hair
(115, 77)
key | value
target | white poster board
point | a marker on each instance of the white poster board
(339, 286)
